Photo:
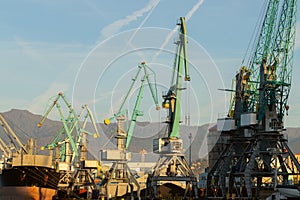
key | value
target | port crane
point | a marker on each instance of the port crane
(65, 136)
(136, 113)
(120, 172)
(256, 152)
(172, 166)
(71, 140)
(72, 131)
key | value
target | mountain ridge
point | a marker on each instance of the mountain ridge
(24, 123)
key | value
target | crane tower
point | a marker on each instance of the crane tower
(256, 156)
(120, 180)
(172, 166)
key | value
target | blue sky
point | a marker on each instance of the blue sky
(90, 50)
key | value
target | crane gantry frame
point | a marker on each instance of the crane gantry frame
(257, 149)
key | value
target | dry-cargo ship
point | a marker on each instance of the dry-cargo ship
(28, 176)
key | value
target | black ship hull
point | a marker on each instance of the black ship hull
(28, 182)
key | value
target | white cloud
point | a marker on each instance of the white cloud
(117, 25)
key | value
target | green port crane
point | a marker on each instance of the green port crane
(257, 148)
(120, 157)
(16, 147)
(72, 130)
(72, 134)
(172, 100)
(276, 69)
(69, 124)
(272, 60)
(136, 113)
(172, 165)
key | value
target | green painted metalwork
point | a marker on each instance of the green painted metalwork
(272, 61)
(283, 54)
(68, 129)
(72, 129)
(173, 96)
(261, 51)
(276, 83)
(136, 112)
(70, 123)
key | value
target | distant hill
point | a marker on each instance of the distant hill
(293, 136)
(24, 125)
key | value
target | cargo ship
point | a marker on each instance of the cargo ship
(23, 173)
(28, 177)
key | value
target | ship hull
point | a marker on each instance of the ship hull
(26, 192)
(28, 182)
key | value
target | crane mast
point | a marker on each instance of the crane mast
(256, 148)
(172, 165)
(136, 112)
(172, 100)
(262, 50)
(281, 60)
(272, 61)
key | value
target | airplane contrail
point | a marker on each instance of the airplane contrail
(117, 25)
(170, 35)
(193, 10)
(154, 4)
(142, 23)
